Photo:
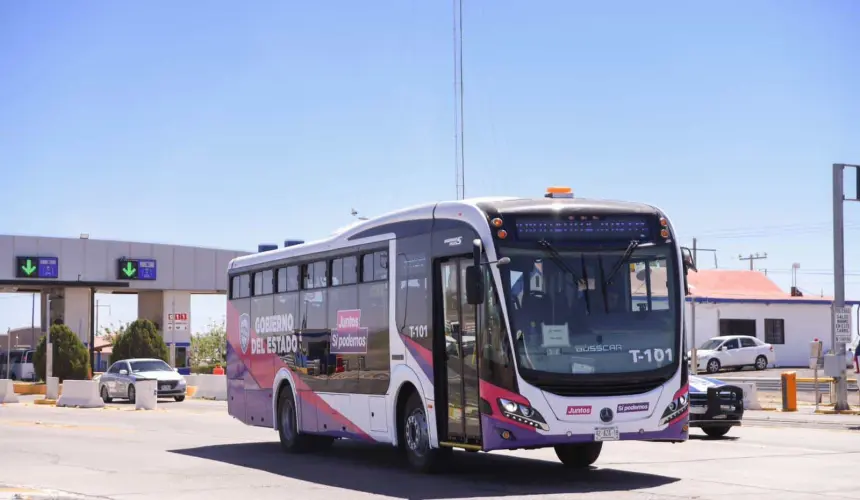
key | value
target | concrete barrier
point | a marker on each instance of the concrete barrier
(146, 394)
(7, 391)
(52, 388)
(81, 393)
(750, 395)
(211, 387)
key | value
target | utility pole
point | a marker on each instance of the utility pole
(696, 249)
(840, 329)
(752, 258)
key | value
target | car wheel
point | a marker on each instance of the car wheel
(415, 438)
(760, 363)
(579, 455)
(132, 394)
(716, 432)
(713, 366)
(105, 395)
(179, 399)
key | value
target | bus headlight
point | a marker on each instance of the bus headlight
(522, 413)
(676, 408)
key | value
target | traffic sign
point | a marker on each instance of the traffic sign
(842, 319)
(136, 269)
(37, 267)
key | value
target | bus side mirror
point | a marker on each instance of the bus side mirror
(687, 256)
(474, 285)
(475, 277)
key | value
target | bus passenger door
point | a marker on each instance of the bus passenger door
(460, 359)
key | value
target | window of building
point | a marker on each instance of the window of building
(774, 331)
(737, 327)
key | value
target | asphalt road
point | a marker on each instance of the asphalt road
(193, 450)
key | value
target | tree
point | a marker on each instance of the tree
(71, 361)
(140, 339)
(209, 347)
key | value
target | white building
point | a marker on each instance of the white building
(729, 302)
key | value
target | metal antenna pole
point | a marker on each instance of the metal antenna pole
(459, 154)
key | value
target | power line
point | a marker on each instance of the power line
(776, 230)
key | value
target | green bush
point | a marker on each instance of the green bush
(71, 361)
(140, 339)
(205, 369)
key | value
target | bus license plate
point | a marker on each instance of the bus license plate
(606, 434)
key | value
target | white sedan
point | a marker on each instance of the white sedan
(734, 351)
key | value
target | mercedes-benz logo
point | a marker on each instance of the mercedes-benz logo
(606, 415)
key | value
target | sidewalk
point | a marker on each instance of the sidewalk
(805, 416)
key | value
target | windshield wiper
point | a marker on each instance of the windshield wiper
(624, 258)
(557, 259)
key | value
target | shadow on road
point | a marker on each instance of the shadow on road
(379, 470)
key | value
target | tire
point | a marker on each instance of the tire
(761, 363)
(105, 395)
(288, 431)
(713, 366)
(579, 455)
(716, 432)
(415, 438)
(179, 399)
(132, 394)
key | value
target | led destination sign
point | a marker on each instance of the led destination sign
(579, 228)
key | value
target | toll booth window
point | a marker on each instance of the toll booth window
(181, 357)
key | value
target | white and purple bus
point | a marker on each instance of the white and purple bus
(483, 324)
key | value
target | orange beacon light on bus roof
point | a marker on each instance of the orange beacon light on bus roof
(559, 192)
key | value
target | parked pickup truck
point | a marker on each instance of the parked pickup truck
(715, 407)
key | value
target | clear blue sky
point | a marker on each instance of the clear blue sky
(217, 124)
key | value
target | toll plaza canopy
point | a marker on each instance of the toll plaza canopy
(67, 272)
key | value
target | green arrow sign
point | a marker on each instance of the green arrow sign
(29, 268)
(129, 270)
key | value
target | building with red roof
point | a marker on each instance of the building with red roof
(737, 302)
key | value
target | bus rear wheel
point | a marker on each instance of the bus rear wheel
(288, 431)
(579, 455)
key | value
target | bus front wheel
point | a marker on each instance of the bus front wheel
(415, 438)
(579, 455)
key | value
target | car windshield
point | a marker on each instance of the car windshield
(150, 366)
(570, 316)
(711, 344)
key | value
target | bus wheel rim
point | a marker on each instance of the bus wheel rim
(416, 432)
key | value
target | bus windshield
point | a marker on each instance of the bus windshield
(571, 314)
